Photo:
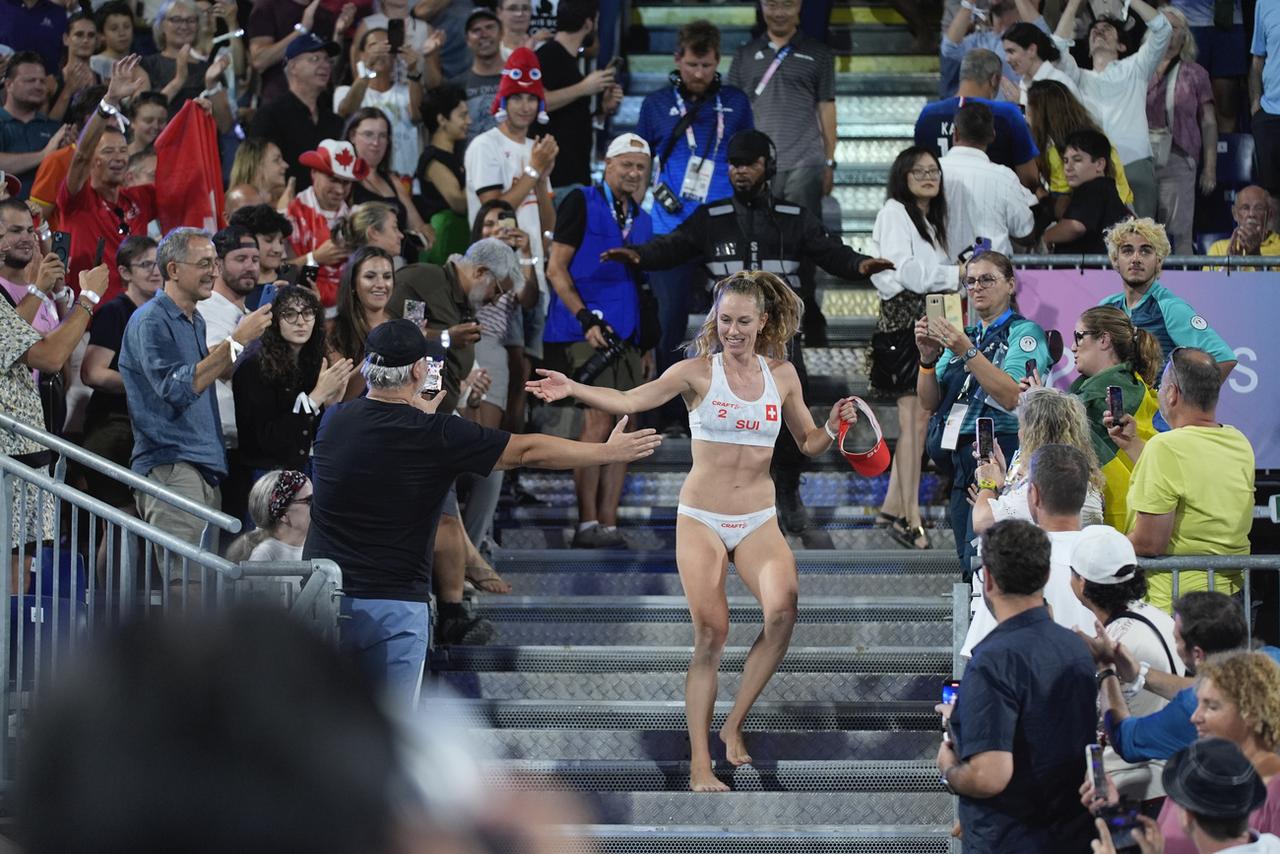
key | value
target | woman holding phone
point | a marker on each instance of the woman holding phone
(1120, 364)
(974, 372)
(727, 509)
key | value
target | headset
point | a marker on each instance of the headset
(712, 88)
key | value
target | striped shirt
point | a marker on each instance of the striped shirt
(787, 109)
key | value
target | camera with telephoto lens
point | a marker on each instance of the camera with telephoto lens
(601, 359)
(670, 201)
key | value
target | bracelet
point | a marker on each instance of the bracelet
(835, 437)
(301, 30)
(1104, 675)
(86, 308)
(532, 173)
(988, 483)
(311, 260)
(91, 296)
(927, 369)
(236, 348)
(38, 294)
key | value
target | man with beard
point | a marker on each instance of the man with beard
(752, 230)
(238, 266)
(93, 201)
(596, 307)
(168, 372)
(297, 120)
(43, 302)
(1138, 248)
(27, 135)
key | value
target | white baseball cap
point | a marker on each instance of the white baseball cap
(1103, 555)
(627, 143)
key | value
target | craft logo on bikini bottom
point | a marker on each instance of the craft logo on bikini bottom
(733, 524)
(770, 412)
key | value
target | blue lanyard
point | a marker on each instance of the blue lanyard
(995, 324)
(688, 131)
(613, 209)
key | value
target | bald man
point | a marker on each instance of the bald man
(242, 196)
(1254, 233)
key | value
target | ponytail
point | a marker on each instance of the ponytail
(1148, 358)
(774, 298)
(1135, 346)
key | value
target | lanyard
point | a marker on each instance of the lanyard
(773, 68)
(613, 208)
(688, 131)
(995, 324)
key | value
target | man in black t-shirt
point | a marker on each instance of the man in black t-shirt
(383, 465)
(480, 81)
(569, 93)
(1095, 203)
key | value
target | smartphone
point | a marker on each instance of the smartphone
(61, 246)
(1032, 367)
(415, 310)
(617, 63)
(507, 222)
(950, 690)
(1115, 403)
(395, 33)
(434, 368)
(986, 439)
(1097, 773)
(1122, 821)
(308, 275)
(98, 250)
(934, 307)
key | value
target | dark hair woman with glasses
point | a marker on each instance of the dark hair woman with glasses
(911, 231)
(975, 372)
(283, 383)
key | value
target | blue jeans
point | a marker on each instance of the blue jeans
(388, 638)
(674, 291)
(961, 512)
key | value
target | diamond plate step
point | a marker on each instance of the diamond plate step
(835, 536)
(896, 561)
(932, 633)
(645, 659)
(629, 687)
(872, 109)
(867, 151)
(673, 744)
(654, 584)
(611, 775)
(669, 609)
(657, 715)
(783, 839)
(746, 809)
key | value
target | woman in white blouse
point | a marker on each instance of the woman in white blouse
(1031, 54)
(910, 231)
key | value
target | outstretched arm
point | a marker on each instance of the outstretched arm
(556, 386)
(538, 450)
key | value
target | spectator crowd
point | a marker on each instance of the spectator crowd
(297, 261)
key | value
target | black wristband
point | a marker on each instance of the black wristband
(588, 319)
(1103, 675)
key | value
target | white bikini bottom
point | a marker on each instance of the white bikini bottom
(732, 529)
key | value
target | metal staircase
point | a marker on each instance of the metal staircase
(584, 690)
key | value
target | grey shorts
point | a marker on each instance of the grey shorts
(535, 321)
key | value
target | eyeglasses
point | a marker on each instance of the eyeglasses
(1080, 336)
(122, 227)
(204, 264)
(144, 266)
(182, 21)
(1174, 379)
(926, 174)
(297, 316)
(373, 135)
(981, 283)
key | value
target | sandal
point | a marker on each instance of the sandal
(909, 536)
(485, 579)
(884, 521)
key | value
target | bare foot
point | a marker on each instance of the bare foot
(735, 749)
(703, 779)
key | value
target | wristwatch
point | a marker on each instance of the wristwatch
(831, 164)
(946, 783)
(969, 354)
(1103, 675)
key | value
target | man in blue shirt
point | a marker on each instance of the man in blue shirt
(980, 77)
(1204, 623)
(691, 167)
(1138, 248)
(1264, 96)
(1020, 723)
(27, 136)
(169, 374)
(34, 25)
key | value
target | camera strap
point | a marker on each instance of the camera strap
(683, 126)
(629, 218)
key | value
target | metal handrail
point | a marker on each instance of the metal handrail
(1043, 261)
(130, 478)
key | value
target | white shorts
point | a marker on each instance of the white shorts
(731, 529)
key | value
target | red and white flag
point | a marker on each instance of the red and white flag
(189, 172)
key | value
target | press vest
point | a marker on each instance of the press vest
(609, 287)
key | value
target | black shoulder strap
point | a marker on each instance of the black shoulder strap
(1133, 615)
(8, 297)
(685, 120)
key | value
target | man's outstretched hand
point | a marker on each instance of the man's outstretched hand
(621, 253)
(632, 446)
(871, 266)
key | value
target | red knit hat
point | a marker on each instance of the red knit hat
(521, 76)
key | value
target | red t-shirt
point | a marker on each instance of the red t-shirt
(87, 216)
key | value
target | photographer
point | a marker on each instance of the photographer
(596, 310)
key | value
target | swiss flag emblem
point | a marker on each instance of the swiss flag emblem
(770, 412)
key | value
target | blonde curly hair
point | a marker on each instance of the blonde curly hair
(1251, 681)
(776, 300)
(1146, 228)
(1050, 416)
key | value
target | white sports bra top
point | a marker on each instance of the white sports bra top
(724, 417)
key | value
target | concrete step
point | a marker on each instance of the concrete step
(672, 745)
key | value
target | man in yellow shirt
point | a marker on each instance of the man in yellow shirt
(1253, 234)
(1191, 492)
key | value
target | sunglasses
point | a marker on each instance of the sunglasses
(1080, 336)
(122, 227)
